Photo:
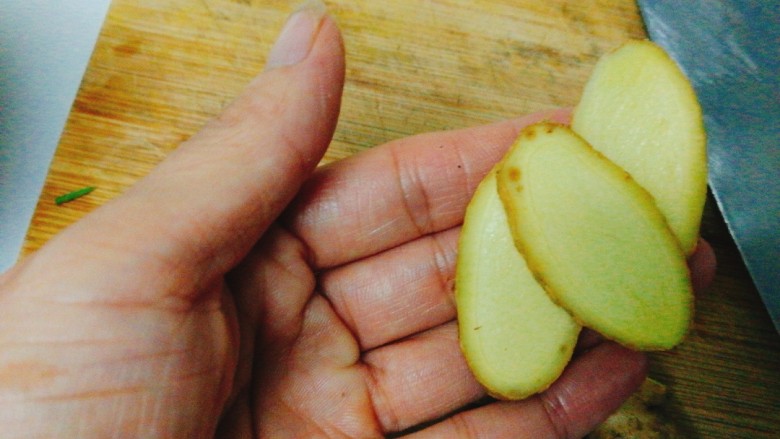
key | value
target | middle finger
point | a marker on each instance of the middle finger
(396, 293)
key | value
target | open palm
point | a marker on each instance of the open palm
(237, 292)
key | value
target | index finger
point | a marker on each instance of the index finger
(399, 191)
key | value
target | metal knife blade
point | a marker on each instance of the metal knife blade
(730, 50)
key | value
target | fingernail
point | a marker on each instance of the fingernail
(298, 35)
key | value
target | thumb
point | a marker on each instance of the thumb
(204, 206)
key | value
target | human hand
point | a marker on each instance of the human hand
(238, 292)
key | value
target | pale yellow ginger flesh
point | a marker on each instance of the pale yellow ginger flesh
(502, 308)
(602, 222)
(595, 239)
(640, 111)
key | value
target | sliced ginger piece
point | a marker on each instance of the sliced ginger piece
(640, 111)
(595, 239)
(515, 339)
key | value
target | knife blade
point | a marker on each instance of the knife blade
(730, 51)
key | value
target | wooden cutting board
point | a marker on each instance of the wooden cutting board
(161, 68)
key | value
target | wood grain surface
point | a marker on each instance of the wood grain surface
(161, 68)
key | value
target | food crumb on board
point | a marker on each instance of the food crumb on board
(73, 195)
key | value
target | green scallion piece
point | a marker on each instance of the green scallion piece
(73, 195)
